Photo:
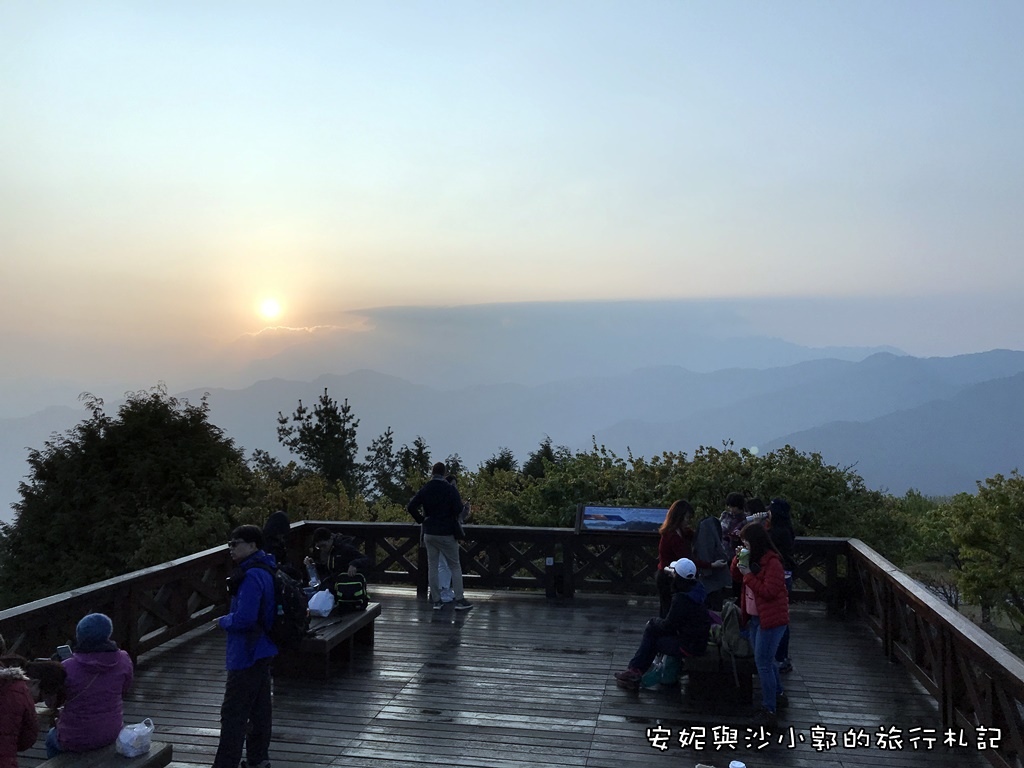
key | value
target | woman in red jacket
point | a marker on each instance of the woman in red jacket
(766, 604)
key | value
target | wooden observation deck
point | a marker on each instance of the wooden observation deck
(885, 674)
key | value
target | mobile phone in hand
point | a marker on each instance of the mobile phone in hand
(64, 652)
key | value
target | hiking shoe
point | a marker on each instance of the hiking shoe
(462, 605)
(766, 719)
(437, 605)
(786, 666)
(630, 678)
(781, 701)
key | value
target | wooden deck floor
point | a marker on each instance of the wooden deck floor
(523, 681)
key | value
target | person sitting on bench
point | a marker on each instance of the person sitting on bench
(336, 555)
(99, 674)
(683, 632)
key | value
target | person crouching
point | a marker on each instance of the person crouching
(683, 631)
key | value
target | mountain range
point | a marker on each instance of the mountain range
(934, 424)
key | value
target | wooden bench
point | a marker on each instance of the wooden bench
(331, 639)
(160, 754)
(711, 677)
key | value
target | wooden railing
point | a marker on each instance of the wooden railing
(154, 605)
(977, 682)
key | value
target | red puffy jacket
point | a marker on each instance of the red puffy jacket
(769, 588)
(18, 724)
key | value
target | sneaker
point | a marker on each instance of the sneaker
(629, 679)
(766, 719)
(462, 605)
(781, 701)
(437, 605)
(786, 666)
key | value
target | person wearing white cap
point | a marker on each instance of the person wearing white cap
(683, 632)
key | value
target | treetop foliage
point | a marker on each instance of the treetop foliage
(116, 493)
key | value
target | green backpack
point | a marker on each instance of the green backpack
(727, 635)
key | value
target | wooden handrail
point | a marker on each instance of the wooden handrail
(977, 682)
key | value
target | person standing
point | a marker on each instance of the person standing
(444, 575)
(765, 608)
(784, 539)
(733, 519)
(246, 713)
(441, 507)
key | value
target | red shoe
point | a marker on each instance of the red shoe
(629, 679)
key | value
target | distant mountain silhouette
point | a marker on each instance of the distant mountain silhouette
(941, 447)
(529, 343)
(936, 424)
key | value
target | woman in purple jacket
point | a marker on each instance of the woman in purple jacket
(99, 674)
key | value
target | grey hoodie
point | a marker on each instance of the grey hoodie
(708, 546)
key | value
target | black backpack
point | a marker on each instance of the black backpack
(291, 610)
(350, 593)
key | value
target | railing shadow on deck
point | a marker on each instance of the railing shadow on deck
(976, 681)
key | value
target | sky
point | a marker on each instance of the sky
(169, 169)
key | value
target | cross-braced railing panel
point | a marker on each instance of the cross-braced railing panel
(977, 682)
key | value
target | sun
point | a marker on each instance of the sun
(270, 309)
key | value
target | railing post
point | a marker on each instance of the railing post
(422, 576)
(833, 589)
(569, 565)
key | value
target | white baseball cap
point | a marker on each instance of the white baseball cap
(684, 568)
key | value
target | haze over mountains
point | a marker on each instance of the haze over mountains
(936, 424)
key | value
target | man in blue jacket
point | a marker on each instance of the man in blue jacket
(245, 715)
(441, 506)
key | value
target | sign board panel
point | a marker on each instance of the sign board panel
(620, 519)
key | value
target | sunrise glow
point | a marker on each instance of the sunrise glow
(270, 309)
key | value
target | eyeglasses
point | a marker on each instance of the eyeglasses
(235, 542)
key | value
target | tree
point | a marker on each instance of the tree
(114, 494)
(416, 466)
(382, 470)
(325, 439)
(534, 465)
(504, 459)
(988, 528)
(454, 464)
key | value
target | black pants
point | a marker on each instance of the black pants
(246, 705)
(663, 581)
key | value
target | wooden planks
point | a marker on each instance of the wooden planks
(524, 681)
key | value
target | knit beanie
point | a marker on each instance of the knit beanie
(93, 632)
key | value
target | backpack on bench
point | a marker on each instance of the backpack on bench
(350, 593)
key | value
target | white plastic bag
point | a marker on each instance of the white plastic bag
(135, 740)
(321, 603)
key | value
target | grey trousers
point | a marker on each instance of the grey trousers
(448, 548)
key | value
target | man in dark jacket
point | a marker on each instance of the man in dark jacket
(684, 630)
(441, 505)
(336, 555)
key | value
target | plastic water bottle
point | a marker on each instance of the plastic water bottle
(314, 580)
